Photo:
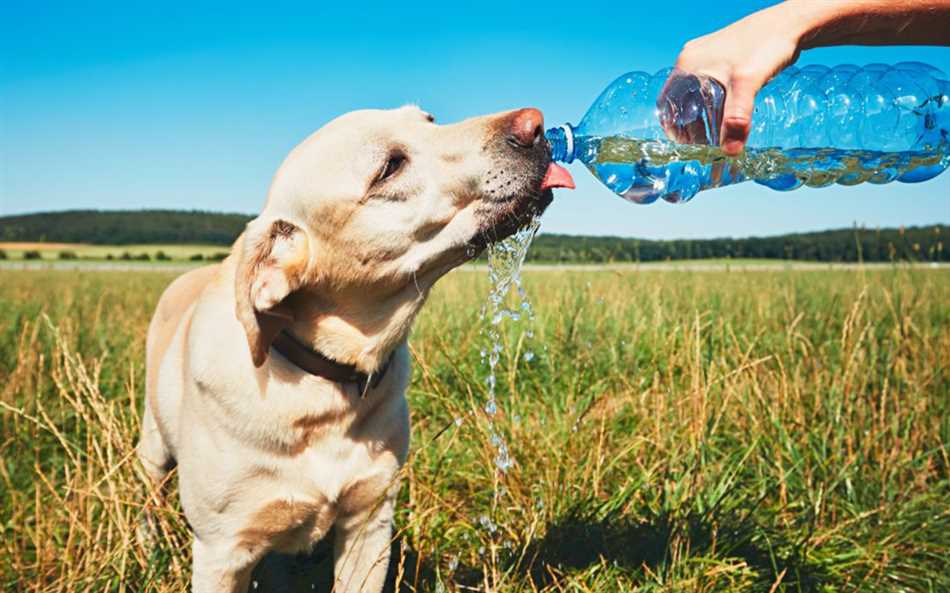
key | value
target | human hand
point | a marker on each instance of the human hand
(743, 57)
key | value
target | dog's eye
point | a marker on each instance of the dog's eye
(393, 165)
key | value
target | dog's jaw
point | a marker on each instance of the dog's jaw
(506, 219)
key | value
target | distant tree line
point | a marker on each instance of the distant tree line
(841, 245)
(179, 227)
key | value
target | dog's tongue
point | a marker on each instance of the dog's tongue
(557, 176)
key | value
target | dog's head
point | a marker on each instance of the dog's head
(368, 212)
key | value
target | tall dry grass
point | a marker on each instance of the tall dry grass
(675, 432)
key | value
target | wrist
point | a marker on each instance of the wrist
(868, 22)
(802, 20)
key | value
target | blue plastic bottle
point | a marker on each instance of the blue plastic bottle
(656, 136)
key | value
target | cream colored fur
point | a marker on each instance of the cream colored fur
(268, 456)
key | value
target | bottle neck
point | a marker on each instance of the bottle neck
(561, 140)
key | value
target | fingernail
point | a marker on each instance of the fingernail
(732, 147)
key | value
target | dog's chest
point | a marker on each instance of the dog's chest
(332, 479)
(330, 464)
(301, 454)
(326, 469)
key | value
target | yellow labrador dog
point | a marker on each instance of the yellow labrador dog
(276, 379)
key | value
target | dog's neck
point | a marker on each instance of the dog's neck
(363, 334)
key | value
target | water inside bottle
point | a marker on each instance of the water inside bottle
(645, 170)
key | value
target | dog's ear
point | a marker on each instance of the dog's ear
(272, 261)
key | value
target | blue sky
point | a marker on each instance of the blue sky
(132, 105)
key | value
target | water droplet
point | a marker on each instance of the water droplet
(487, 524)
(528, 356)
(503, 459)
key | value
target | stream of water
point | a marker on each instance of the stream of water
(505, 259)
(507, 303)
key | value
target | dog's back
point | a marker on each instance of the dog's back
(171, 318)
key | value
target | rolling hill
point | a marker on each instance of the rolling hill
(124, 227)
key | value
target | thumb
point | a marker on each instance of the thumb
(737, 114)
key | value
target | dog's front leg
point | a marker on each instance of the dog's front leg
(220, 568)
(361, 549)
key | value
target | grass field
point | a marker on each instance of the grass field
(708, 431)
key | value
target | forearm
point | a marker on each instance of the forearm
(821, 23)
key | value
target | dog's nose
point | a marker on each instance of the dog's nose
(527, 125)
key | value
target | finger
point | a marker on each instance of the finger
(737, 113)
